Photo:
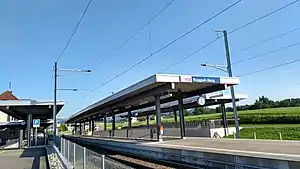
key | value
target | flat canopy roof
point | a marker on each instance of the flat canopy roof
(21, 108)
(140, 95)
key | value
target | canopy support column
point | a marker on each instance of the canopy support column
(224, 118)
(175, 118)
(147, 118)
(181, 115)
(29, 119)
(93, 126)
(105, 122)
(113, 123)
(129, 124)
(158, 119)
(80, 128)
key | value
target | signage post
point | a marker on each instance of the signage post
(36, 124)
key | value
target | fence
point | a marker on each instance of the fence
(82, 158)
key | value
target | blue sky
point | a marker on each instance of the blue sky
(33, 33)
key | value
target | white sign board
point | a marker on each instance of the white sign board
(36, 122)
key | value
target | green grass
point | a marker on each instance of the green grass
(269, 131)
(246, 115)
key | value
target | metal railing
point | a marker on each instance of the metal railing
(82, 158)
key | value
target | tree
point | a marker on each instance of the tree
(63, 127)
(186, 112)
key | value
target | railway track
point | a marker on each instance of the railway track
(132, 161)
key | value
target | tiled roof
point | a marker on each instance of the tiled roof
(7, 95)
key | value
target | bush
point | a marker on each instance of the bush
(63, 128)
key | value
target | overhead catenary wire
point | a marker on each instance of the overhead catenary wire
(269, 68)
(264, 16)
(191, 54)
(233, 31)
(266, 53)
(266, 40)
(140, 29)
(166, 46)
(74, 31)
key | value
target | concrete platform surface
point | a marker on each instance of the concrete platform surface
(260, 148)
(275, 149)
(30, 158)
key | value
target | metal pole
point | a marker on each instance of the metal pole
(35, 137)
(93, 126)
(54, 103)
(129, 124)
(61, 146)
(175, 118)
(147, 118)
(104, 120)
(68, 150)
(20, 139)
(181, 115)
(236, 119)
(158, 118)
(103, 162)
(224, 119)
(74, 155)
(29, 117)
(113, 123)
(84, 158)
(45, 137)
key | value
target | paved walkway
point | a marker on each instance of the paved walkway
(30, 158)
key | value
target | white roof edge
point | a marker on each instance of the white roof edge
(27, 102)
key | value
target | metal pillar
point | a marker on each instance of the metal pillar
(105, 126)
(35, 135)
(75, 128)
(181, 115)
(90, 125)
(29, 119)
(45, 136)
(24, 132)
(93, 126)
(147, 118)
(158, 118)
(113, 124)
(83, 128)
(54, 103)
(129, 124)
(224, 118)
(129, 120)
(80, 128)
(175, 118)
(20, 139)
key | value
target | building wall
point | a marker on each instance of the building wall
(3, 117)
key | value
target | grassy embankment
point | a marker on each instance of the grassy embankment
(266, 123)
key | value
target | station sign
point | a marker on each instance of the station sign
(186, 79)
(36, 122)
(201, 79)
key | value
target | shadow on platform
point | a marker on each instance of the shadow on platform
(38, 155)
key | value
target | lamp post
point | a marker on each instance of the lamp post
(227, 69)
(55, 91)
